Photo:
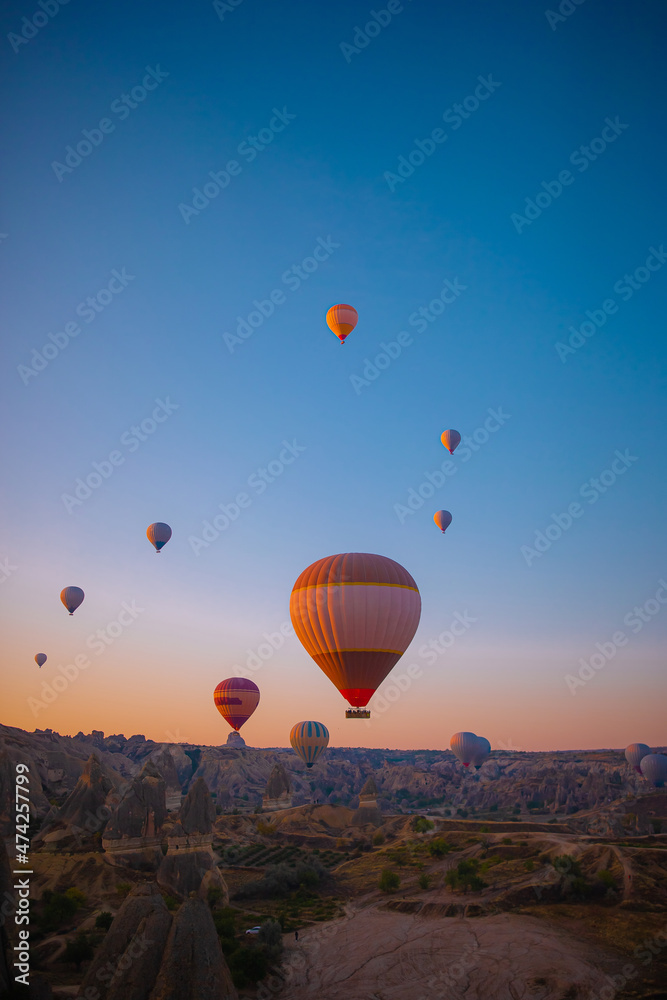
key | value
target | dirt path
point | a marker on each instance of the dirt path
(395, 956)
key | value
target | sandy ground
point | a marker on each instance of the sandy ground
(381, 955)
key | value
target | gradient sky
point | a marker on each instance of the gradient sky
(162, 337)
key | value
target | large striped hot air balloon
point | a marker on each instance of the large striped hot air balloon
(309, 739)
(342, 320)
(236, 699)
(158, 534)
(634, 754)
(355, 614)
(654, 768)
(465, 746)
(72, 598)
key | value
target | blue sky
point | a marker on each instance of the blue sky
(322, 181)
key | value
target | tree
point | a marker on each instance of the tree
(424, 881)
(104, 920)
(79, 950)
(465, 876)
(421, 825)
(439, 847)
(389, 880)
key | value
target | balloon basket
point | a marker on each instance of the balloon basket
(357, 713)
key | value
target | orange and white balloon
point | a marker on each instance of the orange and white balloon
(342, 320)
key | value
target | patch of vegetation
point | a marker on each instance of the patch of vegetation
(171, 902)
(389, 880)
(438, 847)
(279, 880)
(104, 920)
(79, 950)
(424, 881)
(123, 889)
(378, 838)
(465, 876)
(422, 825)
(59, 908)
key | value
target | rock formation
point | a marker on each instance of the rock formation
(189, 846)
(235, 740)
(278, 793)
(164, 762)
(368, 811)
(77, 825)
(193, 966)
(133, 835)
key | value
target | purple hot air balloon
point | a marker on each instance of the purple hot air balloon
(634, 754)
(654, 769)
(443, 519)
(158, 534)
(72, 598)
(40, 659)
(451, 440)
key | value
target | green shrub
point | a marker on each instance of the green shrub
(438, 847)
(123, 889)
(607, 879)
(506, 840)
(378, 838)
(247, 965)
(104, 920)
(79, 950)
(421, 825)
(172, 902)
(465, 876)
(389, 880)
(424, 881)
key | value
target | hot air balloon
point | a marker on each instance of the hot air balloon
(443, 519)
(40, 659)
(654, 768)
(236, 699)
(483, 751)
(309, 739)
(158, 534)
(342, 320)
(72, 598)
(464, 746)
(355, 614)
(634, 754)
(451, 440)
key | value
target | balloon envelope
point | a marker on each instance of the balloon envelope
(40, 659)
(355, 613)
(158, 534)
(236, 699)
(72, 598)
(634, 754)
(309, 740)
(654, 768)
(443, 519)
(342, 320)
(451, 440)
(464, 746)
(482, 753)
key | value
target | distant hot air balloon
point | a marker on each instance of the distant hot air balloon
(464, 746)
(40, 659)
(72, 598)
(158, 534)
(634, 754)
(342, 320)
(236, 699)
(451, 440)
(443, 519)
(309, 739)
(483, 751)
(654, 768)
(355, 614)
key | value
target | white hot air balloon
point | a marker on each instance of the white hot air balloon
(654, 769)
(634, 754)
(465, 747)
